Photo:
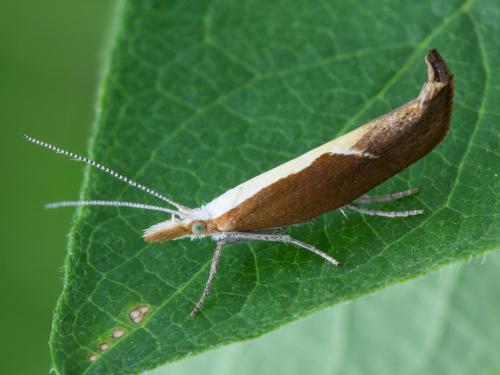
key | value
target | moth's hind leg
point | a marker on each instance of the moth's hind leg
(366, 199)
(381, 213)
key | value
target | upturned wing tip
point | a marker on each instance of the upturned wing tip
(437, 68)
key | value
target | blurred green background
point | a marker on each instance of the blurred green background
(50, 58)
(50, 53)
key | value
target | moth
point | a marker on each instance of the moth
(335, 175)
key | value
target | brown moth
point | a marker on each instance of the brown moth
(333, 176)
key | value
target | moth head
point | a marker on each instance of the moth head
(175, 229)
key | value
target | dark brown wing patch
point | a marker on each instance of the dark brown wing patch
(397, 139)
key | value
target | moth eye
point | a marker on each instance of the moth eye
(198, 228)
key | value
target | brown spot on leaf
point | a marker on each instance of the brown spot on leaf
(138, 314)
(117, 333)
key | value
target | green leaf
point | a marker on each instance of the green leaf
(200, 96)
(445, 323)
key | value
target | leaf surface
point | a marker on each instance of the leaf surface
(445, 323)
(200, 96)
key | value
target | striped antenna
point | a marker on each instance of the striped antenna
(112, 204)
(184, 211)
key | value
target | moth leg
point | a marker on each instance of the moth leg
(211, 276)
(367, 211)
(343, 212)
(282, 230)
(365, 199)
(310, 247)
(284, 238)
(272, 231)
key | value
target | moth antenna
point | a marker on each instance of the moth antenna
(103, 168)
(113, 204)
